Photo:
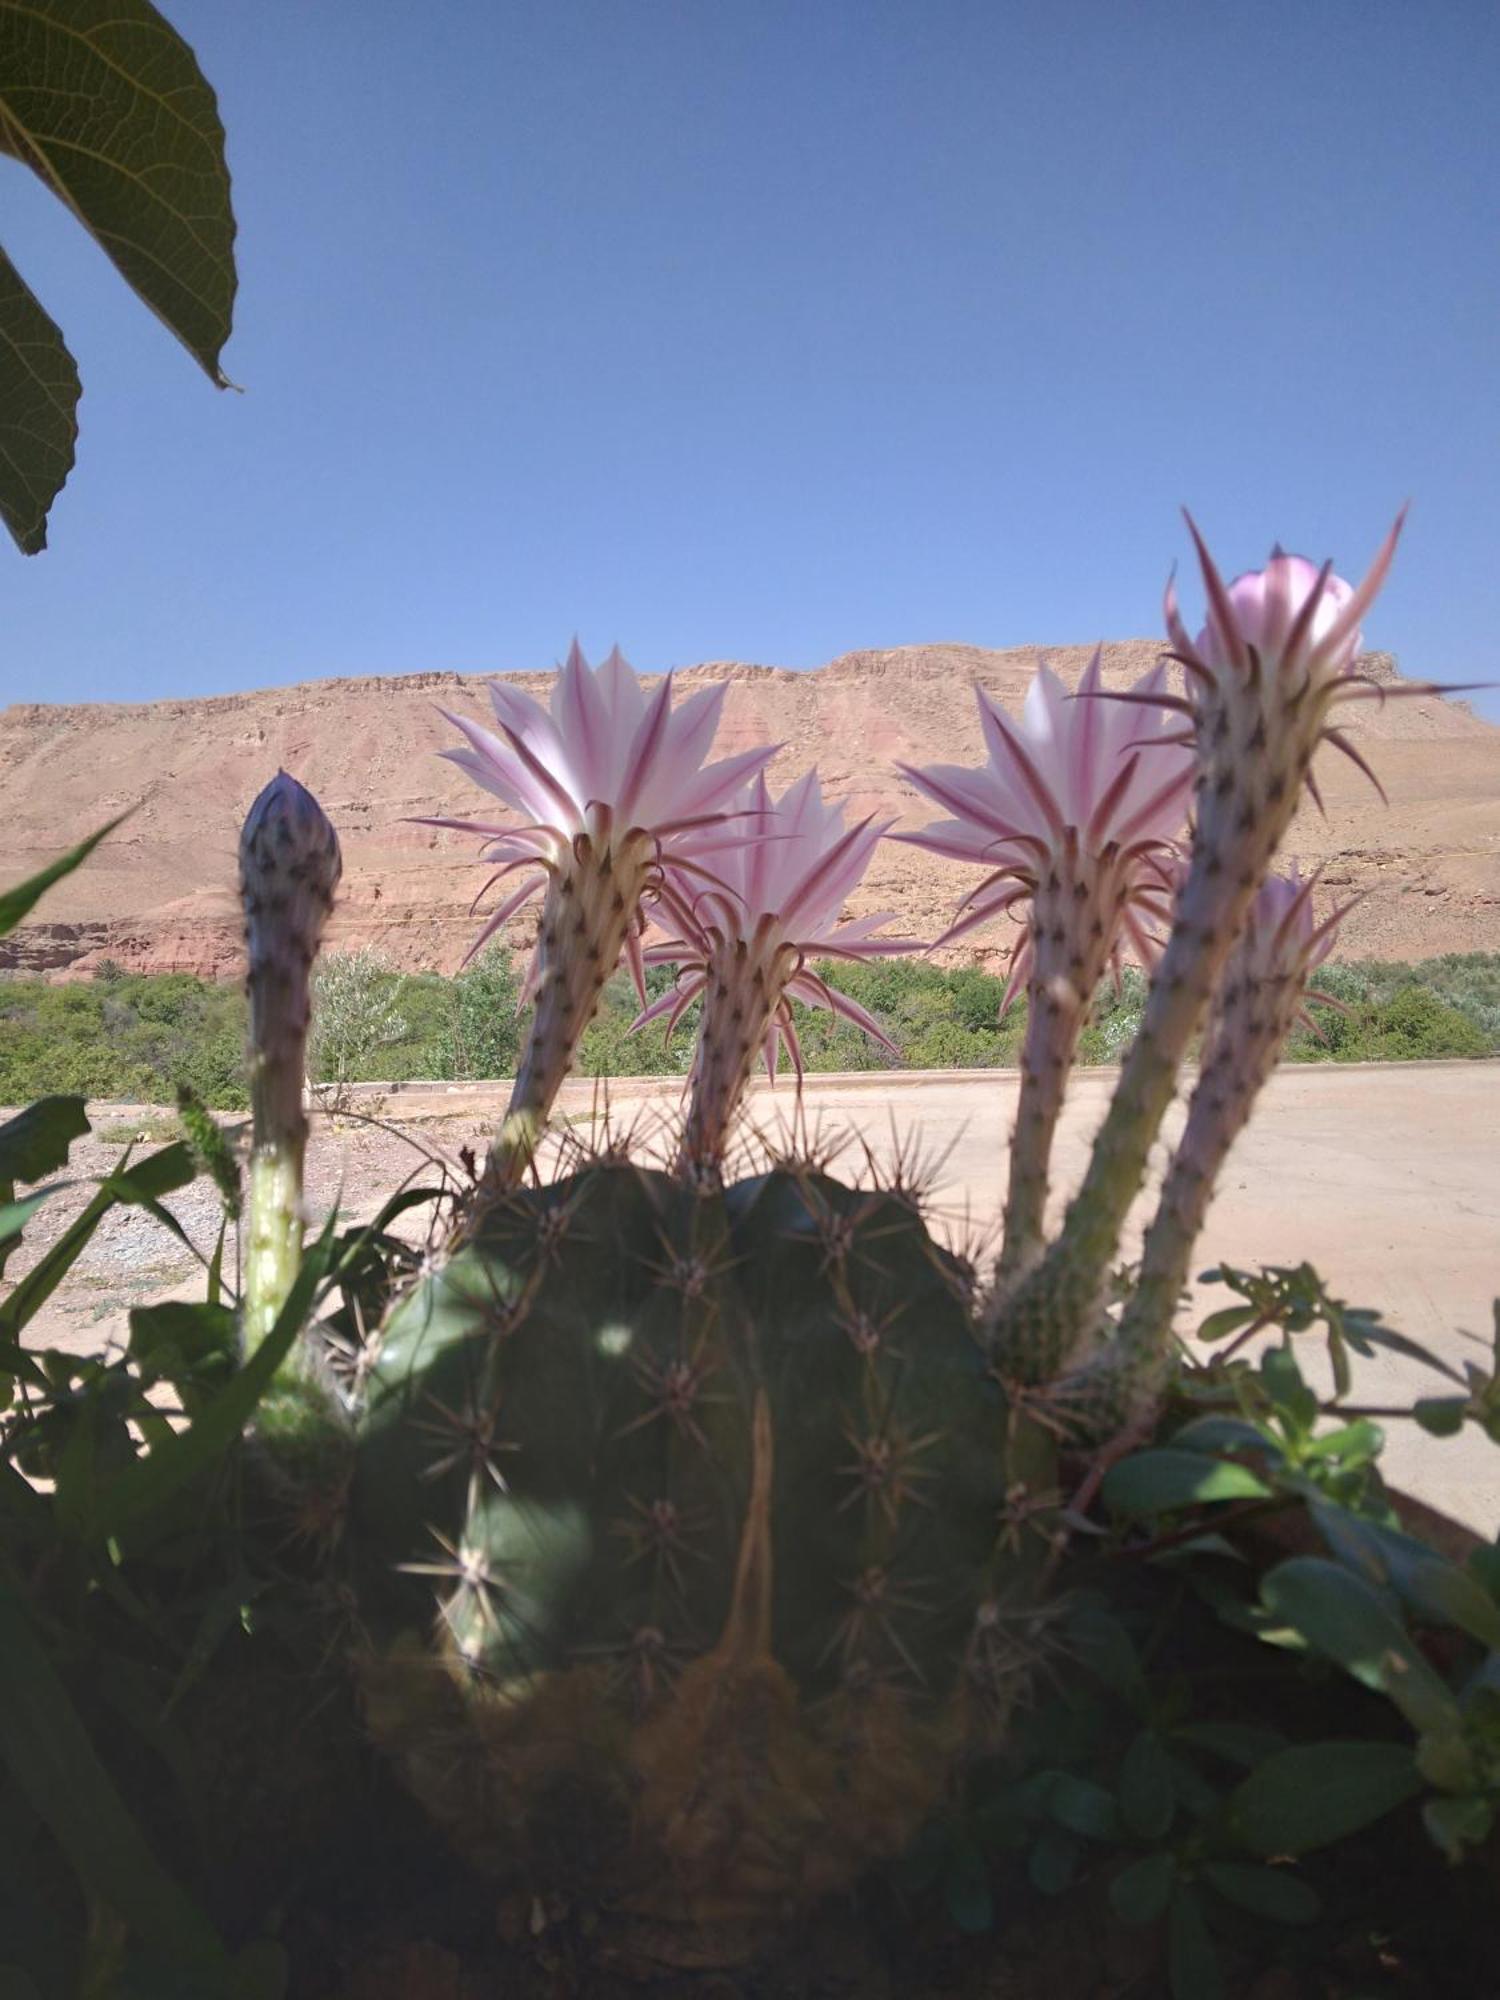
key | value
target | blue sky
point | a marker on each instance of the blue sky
(766, 330)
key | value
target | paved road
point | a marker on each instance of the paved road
(1386, 1178)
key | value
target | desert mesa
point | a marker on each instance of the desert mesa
(159, 896)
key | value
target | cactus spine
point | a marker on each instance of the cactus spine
(289, 868)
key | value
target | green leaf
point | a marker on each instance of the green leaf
(1139, 1893)
(147, 1484)
(1441, 1416)
(14, 1215)
(1192, 1960)
(16, 904)
(39, 391)
(1214, 1435)
(1219, 1325)
(1053, 1861)
(1457, 1824)
(1426, 1582)
(160, 1173)
(36, 1141)
(178, 1339)
(1083, 1807)
(1242, 1743)
(966, 1890)
(1316, 1793)
(1342, 1616)
(55, 1765)
(1159, 1482)
(105, 101)
(1147, 1797)
(1264, 1892)
(1294, 1402)
(1352, 1444)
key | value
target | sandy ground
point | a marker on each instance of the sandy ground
(1385, 1178)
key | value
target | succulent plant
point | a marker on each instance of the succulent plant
(681, 1516)
(743, 943)
(289, 868)
(1074, 814)
(612, 788)
(697, 1530)
(1275, 656)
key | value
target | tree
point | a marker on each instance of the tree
(354, 1016)
(108, 107)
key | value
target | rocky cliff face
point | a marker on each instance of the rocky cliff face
(160, 894)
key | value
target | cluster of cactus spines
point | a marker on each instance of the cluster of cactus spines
(614, 794)
(702, 1495)
(1258, 1002)
(289, 868)
(1262, 677)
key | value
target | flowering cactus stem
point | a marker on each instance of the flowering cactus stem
(742, 996)
(590, 910)
(289, 868)
(1076, 913)
(612, 792)
(1275, 656)
(1254, 1011)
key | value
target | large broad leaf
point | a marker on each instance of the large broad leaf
(36, 1141)
(1316, 1793)
(105, 100)
(39, 391)
(17, 904)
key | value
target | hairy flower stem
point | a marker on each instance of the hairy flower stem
(592, 901)
(1255, 741)
(746, 978)
(1253, 1014)
(1074, 918)
(289, 868)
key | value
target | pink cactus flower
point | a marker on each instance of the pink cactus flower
(746, 941)
(617, 806)
(1074, 812)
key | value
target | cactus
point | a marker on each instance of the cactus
(1275, 657)
(609, 786)
(289, 868)
(699, 1494)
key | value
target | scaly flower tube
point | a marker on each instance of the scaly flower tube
(1262, 996)
(1276, 654)
(744, 943)
(289, 868)
(617, 804)
(1074, 812)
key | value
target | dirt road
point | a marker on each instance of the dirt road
(1387, 1179)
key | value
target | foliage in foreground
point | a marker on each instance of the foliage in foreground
(134, 1037)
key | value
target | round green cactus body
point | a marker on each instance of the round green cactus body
(679, 1514)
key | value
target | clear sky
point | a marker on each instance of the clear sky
(768, 329)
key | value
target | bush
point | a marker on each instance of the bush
(128, 1036)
